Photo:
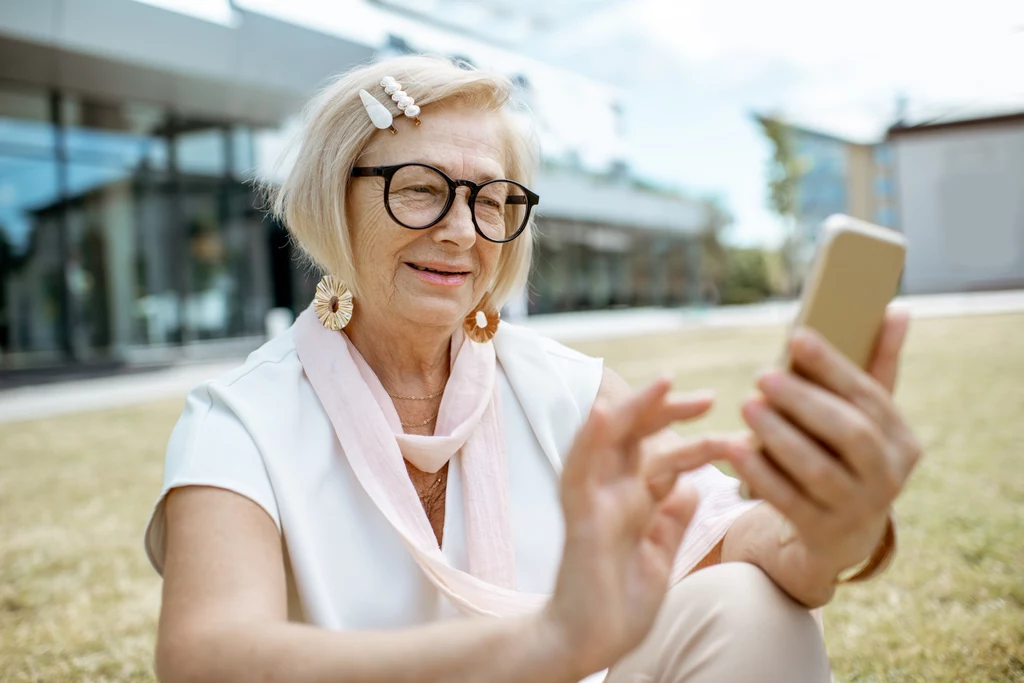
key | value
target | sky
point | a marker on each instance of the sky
(694, 70)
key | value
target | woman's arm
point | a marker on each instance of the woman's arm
(224, 617)
(754, 538)
(840, 454)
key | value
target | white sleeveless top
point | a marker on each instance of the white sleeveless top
(261, 432)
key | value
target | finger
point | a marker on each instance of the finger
(773, 486)
(884, 364)
(600, 446)
(672, 518)
(815, 472)
(672, 454)
(836, 423)
(823, 364)
(586, 457)
(629, 420)
(675, 408)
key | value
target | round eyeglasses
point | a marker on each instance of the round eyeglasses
(417, 196)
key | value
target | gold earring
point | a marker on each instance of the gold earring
(332, 303)
(480, 325)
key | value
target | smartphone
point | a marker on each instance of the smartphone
(855, 274)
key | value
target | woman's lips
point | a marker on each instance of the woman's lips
(437, 276)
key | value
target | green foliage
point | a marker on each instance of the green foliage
(784, 173)
(713, 252)
(729, 275)
(746, 278)
(784, 170)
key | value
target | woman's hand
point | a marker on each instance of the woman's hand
(624, 519)
(840, 451)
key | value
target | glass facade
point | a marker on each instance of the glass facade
(131, 233)
(582, 266)
(822, 190)
(126, 227)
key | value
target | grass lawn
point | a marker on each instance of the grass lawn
(78, 600)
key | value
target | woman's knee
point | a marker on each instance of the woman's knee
(740, 600)
(729, 622)
(745, 599)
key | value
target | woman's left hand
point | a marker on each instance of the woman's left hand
(840, 451)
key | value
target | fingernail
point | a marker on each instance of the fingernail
(752, 409)
(804, 338)
(769, 380)
(787, 532)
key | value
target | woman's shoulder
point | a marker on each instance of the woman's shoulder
(274, 363)
(533, 362)
(513, 338)
(263, 390)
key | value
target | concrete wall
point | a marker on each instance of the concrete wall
(961, 195)
(570, 194)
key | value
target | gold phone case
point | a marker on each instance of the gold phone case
(855, 274)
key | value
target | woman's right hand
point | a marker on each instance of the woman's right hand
(625, 515)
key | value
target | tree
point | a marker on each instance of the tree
(746, 277)
(713, 252)
(784, 174)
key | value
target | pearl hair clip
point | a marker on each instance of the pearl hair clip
(379, 114)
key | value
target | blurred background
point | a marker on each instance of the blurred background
(691, 149)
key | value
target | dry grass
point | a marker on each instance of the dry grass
(78, 600)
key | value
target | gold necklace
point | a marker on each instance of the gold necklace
(416, 398)
(419, 424)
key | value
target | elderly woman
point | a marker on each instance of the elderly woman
(402, 488)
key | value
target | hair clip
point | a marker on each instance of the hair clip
(378, 113)
(405, 103)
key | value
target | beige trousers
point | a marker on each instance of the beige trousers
(726, 624)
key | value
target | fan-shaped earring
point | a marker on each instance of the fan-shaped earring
(332, 303)
(481, 325)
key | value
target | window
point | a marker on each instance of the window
(31, 264)
(883, 155)
(885, 217)
(883, 186)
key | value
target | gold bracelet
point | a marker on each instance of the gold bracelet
(879, 559)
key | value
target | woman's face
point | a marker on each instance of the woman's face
(435, 276)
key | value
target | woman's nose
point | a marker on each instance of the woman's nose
(457, 225)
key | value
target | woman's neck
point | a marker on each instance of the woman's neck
(408, 360)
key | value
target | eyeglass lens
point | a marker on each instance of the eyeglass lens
(418, 195)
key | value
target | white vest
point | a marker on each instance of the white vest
(261, 431)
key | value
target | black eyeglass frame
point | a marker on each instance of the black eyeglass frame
(388, 172)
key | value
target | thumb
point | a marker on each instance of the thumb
(885, 360)
(672, 517)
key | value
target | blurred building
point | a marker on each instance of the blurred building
(961, 202)
(953, 185)
(841, 176)
(508, 23)
(129, 130)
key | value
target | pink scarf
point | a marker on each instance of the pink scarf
(370, 431)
